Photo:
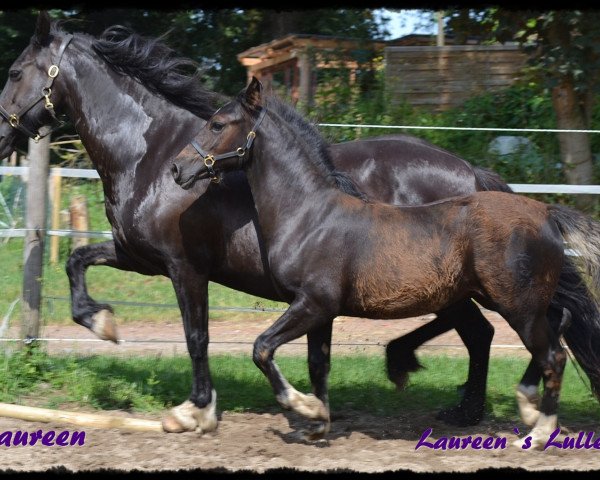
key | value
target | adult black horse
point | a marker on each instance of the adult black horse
(135, 110)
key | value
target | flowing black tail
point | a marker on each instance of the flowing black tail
(583, 335)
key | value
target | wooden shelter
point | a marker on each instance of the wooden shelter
(438, 78)
(417, 71)
(289, 64)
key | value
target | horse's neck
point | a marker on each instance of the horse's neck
(281, 184)
(115, 115)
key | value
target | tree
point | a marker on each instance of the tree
(564, 55)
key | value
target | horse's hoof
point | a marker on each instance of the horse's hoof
(317, 433)
(528, 402)
(104, 327)
(535, 443)
(171, 425)
(187, 417)
(399, 379)
(459, 416)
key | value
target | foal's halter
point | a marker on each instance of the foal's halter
(14, 119)
(209, 159)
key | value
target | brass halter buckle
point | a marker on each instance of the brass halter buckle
(209, 161)
(13, 120)
(53, 71)
(46, 93)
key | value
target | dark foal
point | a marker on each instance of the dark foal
(333, 253)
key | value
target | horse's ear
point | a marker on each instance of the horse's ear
(41, 36)
(252, 96)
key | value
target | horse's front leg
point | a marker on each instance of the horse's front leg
(85, 310)
(301, 317)
(198, 413)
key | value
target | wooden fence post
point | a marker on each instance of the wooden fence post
(79, 219)
(56, 181)
(33, 249)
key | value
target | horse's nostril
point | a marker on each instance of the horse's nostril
(175, 171)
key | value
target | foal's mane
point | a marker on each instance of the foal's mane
(157, 67)
(310, 134)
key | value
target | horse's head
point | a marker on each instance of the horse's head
(29, 98)
(225, 141)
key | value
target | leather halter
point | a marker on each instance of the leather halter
(209, 159)
(14, 119)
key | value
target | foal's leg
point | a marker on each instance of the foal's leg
(545, 348)
(85, 310)
(527, 394)
(199, 412)
(319, 355)
(301, 317)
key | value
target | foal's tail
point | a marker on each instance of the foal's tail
(582, 234)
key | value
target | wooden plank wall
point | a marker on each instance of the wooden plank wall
(437, 78)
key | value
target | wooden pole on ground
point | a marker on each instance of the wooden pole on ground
(35, 414)
(35, 223)
(55, 185)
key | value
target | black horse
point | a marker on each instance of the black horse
(135, 107)
(333, 253)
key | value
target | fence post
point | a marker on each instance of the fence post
(33, 249)
(55, 183)
(79, 220)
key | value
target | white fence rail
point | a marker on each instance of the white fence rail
(93, 174)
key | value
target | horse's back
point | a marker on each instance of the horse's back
(404, 170)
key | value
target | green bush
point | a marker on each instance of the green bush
(523, 105)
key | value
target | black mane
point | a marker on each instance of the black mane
(312, 136)
(156, 66)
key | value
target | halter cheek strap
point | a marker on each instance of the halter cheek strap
(14, 119)
(210, 160)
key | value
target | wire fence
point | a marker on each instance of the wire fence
(8, 231)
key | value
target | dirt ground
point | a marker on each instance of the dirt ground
(271, 440)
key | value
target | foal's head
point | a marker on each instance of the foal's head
(225, 141)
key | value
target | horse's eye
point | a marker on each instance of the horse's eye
(14, 75)
(217, 126)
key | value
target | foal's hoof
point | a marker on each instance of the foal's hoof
(460, 416)
(317, 432)
(104, 326)
(528, 406)
(187, 417)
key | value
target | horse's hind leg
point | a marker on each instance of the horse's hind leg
(528, 398)
(476, 332)
(319, 355)
(85, 310)
(545, 348)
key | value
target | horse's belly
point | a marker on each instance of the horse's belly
(389, 292)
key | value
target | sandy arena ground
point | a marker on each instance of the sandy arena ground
(270, 440)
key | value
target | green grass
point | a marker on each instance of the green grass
(357, 383)
(105, 283)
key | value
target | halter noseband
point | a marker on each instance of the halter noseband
(240, 152)
(14, 119)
